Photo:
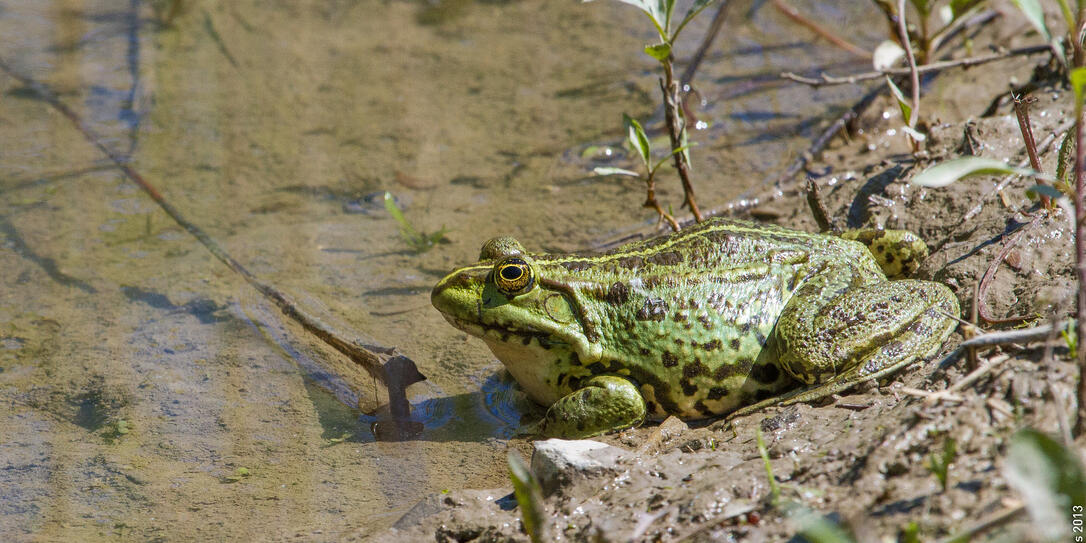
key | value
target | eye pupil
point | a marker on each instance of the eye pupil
(513, 276)
(511, 273)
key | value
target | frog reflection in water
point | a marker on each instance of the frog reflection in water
(727, 316)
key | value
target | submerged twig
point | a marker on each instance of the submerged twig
(395, 371)
(707, 41)
(798, 18)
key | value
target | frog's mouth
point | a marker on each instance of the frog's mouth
(505, 334)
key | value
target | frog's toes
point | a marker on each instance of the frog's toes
(898, 252)
(605, 403)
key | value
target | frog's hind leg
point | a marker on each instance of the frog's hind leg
(861, 334)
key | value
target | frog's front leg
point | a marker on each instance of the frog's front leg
(604, 403)
(833, 342)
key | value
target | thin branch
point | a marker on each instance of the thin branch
(914, 77)
(824, 79)
(706, 42)
(798, 18)
(676, 131)
(989, 274)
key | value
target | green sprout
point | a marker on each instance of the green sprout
(774, 489)
(939, 464)
(530, 498)
(419, 242)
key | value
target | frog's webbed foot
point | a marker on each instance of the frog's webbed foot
(603, 404)
(898, 252)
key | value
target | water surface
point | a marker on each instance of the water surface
(150, 393)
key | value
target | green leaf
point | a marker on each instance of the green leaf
(659, 51)
(529, 496)
(922, 7)
(961, 7)
(1065, 161)
(614, 171)
(943, 174)
(906, 109)
(1078, 82)
(1036, 16)
(637, 138)
(694, 10)
(1050, 479)
(1044, 190)
(657, 10)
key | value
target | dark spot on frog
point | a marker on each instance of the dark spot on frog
(759, 337)
(765, 373)
(689, 389)
(702, 408)
(679, 341)
(654, 310)
(644, 351)
(717, 393)
(597, 368)
(679, 317)
(526, 340)
(713, 345)
(734, 343)
(695, 369)
(669, 258)
(630, 262)
(889, 258)
(618, 294)
(879, 248)
(651, 407)
(576, 265)
(745, 328)
(704, 320)
(763, 394)
(669, 360)
(583, 396)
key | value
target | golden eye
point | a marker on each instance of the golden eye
(513, 276)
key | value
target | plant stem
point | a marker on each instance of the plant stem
(913, 74)
(651, 202)
(1080, 271)
(676, 129)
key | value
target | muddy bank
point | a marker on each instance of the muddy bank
(861, 460)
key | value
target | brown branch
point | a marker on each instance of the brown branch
(824, 79)
(676, 131)
(989, 274)
(393, 370)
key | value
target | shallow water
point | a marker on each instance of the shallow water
(142, 378)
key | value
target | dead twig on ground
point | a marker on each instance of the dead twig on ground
(824, 79)
(392, 369)
(989, 274)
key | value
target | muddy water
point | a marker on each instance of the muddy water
(148, 392)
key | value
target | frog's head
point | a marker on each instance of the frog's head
(526, 318)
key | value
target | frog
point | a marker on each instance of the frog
(724, 318)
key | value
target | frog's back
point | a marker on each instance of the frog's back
(688, 316)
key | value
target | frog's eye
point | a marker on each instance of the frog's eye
(513, 276)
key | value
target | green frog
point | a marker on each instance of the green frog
(727, 316)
